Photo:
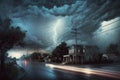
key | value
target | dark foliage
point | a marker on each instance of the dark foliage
(35, 56)
(9, 37)
(59, 51)
(113, 49)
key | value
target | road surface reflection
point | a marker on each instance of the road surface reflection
(89, 71)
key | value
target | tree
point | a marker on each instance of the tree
(36, 56)
(113, 49)
(45, 55)
(9, 37)
(59, 51)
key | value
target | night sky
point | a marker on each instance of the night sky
(49, 22)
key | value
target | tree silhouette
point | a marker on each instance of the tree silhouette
(113, 49)
(36, 56)
(59, 51)
(9, 37)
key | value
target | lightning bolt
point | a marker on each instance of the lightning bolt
(56, 30)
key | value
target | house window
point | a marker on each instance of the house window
(83, 50)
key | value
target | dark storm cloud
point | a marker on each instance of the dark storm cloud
(51, 3)
(36, 17)
(87, 15)
(40, 3)
(90, 11)
(11, 6)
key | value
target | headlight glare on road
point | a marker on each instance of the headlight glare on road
(49, 65)
(85, 70)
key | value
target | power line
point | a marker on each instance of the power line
(117, 28)
(111, 23)
(108, 29)
(111, 29)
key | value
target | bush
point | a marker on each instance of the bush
(11, 72)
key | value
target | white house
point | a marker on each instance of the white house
(80, 53)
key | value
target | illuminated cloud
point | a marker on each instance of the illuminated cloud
(40, 18)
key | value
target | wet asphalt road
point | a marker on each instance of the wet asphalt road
(38, 71)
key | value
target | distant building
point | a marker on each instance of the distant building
(110, 58)
(80, 53)
(119, 49)
(91, 52)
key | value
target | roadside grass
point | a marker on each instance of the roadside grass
(11, 72)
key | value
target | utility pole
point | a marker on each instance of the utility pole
(27, 54)
(27, 51)
(75, 32)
